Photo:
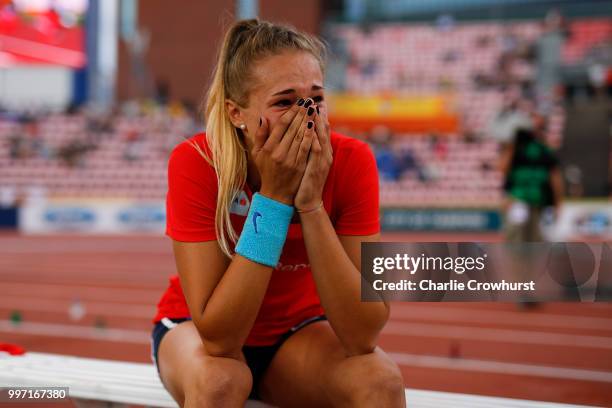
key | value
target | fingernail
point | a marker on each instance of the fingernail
(317, 110)
(309, 124)
(308, 102)
(310, 111)
(259, 121)
(300, 102)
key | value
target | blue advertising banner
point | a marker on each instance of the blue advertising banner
(411, 219)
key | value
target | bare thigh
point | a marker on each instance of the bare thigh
(312, 369)
(184, 365)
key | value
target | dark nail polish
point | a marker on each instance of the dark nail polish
(259, 121)
(310, 111)
(300, 102)
(317, 110)
(308, 102)
(309, 124)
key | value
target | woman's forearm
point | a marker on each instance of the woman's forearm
(338, 281)
(230, 312)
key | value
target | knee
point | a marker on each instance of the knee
(218, 382)
(385, 383)
(377, 382)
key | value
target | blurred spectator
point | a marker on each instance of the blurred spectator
(395, 163)
(508, 120)
(138, 47)
(410, 163)
(439, 147)
(509, 42)
(369, 67)
(134, 146)
(598, 61)
(389, 166)
(162, 91)
(533, 185)
(450, 56)
(73, 153)
(335, 76)
(471, 136)
(26, 142)
(100, 122)
(548, 60)
(17, 146)
(37, 147)
(533, 182)
(573, 175)
(445, 22)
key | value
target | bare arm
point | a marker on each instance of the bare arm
(223, 297)
(336, 263)
(336, 260)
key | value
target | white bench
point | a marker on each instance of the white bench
(97, 383)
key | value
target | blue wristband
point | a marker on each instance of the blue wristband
(265, 230)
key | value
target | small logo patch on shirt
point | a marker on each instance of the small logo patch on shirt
(240, 205)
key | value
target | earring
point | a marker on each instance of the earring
(243, 126)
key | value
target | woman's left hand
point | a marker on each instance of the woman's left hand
(310, 192)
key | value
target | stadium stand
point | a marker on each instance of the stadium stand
(585, 36)
(66, 158)
(73, 156)
(474, 62)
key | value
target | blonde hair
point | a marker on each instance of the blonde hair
(245, 42)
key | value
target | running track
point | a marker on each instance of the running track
(557, 352)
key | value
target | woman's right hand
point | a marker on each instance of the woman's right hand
(281, 157)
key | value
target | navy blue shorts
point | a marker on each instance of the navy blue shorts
(258, 358)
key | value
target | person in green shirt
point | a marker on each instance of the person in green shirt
(532, 183)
